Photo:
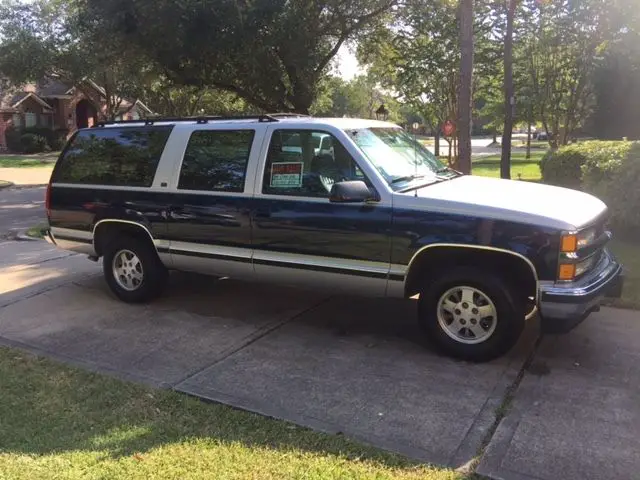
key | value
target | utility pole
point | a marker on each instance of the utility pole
(509, 92)
(465, 95)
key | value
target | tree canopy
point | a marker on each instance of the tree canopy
(271, 53)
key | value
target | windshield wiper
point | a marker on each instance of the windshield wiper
(448, 170)
(408, 178)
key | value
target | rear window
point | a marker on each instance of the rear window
(113, 156)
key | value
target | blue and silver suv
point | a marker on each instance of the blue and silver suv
(347, 205)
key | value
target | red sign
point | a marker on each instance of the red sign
(286, 174)
(448, 128)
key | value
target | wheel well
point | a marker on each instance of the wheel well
(435, 259)
(106, 231)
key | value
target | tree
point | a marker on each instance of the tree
(52, 39)
(272, 54)
(166, 99)
(415, 54)
(617, 78)
(561, 43)
(465, 94)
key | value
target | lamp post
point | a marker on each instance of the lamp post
(382, 113)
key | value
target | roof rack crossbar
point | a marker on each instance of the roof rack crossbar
(199, 120)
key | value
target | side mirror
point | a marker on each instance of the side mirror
(355, 191)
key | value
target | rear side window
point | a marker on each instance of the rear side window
(216, 160)
(113, 156)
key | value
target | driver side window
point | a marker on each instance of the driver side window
(306, 163)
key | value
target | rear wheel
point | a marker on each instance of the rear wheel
(133, 270)
(471, 315)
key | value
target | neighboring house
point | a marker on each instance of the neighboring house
(59, 106)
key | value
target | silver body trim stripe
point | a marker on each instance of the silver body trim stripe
(328, 262)
(72, 233)
(231, 252)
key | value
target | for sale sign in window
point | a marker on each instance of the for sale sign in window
(286, 175)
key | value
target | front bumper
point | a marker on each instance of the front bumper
(564, 306)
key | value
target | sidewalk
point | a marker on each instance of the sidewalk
(26, 176)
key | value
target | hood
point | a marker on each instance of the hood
(510, 200)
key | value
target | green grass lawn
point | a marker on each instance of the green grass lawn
(28, 161)
(521, 167)
(37, 231)
(628, 253)
(60, 422)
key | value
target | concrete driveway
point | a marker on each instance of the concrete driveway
(342, 364)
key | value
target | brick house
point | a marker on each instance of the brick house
(58, 106)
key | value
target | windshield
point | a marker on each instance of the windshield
(397, 156)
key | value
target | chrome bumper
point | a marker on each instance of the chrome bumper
(563, 306)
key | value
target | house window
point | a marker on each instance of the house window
(30, 119)
(17, 120)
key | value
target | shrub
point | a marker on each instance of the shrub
(32, 143)
(59, 139)
(615, 179)
(566, 166)
(52, 136)
(12, 136)
(562, 167)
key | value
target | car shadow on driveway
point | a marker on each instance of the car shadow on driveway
(345, 365)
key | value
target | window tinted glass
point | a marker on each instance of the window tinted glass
(309, 169)
(113, 156)
(216, 160)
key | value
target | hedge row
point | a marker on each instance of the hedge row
(608, 170)
(35, 139)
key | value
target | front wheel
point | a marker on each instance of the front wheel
(471, 315)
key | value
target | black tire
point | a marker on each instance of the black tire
(154, 273)
(509, 321)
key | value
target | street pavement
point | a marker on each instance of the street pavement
(343, 364)
(21, 209)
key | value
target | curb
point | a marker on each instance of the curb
(13, 186)
(21, 236)
(4, 185)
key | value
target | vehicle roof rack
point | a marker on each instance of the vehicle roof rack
(288, 115)
(199, 120)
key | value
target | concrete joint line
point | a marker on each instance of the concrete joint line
(39, 292)
(503, 410)
(252, 338)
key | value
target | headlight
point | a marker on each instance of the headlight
(572, 242)
(586, 265)
(586, 237)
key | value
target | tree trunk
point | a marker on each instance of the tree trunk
(529, 138)
(495, 137)
(465, 13)
(436, 146)
(509, 93)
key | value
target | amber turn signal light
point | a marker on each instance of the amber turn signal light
(569, 243)
(567, 271)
